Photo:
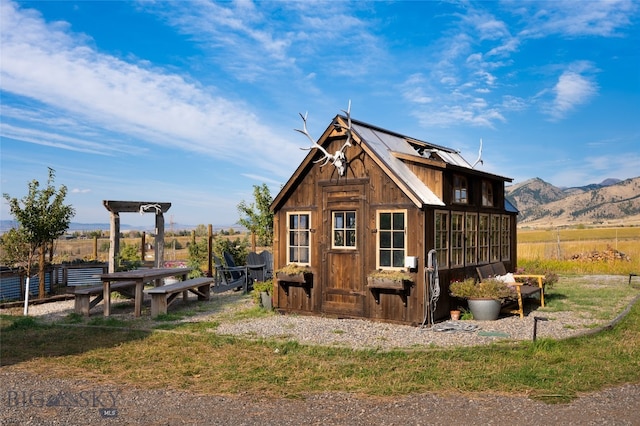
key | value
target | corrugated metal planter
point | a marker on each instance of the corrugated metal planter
(265, 300)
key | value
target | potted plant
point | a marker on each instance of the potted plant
(394, 279)
(484, 298)
(262, 291)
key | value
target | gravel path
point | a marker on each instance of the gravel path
(34, 400)
(28, 399)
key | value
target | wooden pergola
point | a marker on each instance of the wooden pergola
(117, 207)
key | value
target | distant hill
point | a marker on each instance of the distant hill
(610, 202)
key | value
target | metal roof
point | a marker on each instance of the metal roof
(387, 146)
(384, 144)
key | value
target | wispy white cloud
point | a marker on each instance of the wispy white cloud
(574, 87)
(475, 57)
(571, 19)
(255, 45)
(50, 64)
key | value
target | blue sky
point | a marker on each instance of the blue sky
(194, 102)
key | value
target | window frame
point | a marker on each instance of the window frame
(470, 238)
(456, 229)
(488, 194)
(441, 235)
(505, 237)
(484, 237)
(380, 231)
(460, 189)
(495, 225)
(299, 246)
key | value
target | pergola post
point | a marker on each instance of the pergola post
(159, 247)
(114, 240)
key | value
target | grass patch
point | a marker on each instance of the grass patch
(203, 362)
(107, 322)
(601, 300)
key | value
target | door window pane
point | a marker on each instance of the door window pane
(344, 229)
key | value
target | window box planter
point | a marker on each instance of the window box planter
(294, 275)
(390, 281)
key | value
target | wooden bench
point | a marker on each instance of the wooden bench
(163, 296)
(83, 303)
(523, 290)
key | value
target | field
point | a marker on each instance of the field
(89, 249)
(537, 249)
(553, 250)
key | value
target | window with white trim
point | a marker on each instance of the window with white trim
(299, 238)
(392, 238)
(494, 238)
(505, 234)
(471, 238)
(344, 230)
(441, 243)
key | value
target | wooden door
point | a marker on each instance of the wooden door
(343, 283)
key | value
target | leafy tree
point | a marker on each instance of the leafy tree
(43, 217)
(197, 257)
(201, 230)
(15, 247)
(237, 248)
(257, 217)
(129, 257)
(94, 234)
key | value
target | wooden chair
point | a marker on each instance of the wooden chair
(267, 259)
(523, 289)
(256, 267)
(229, 277)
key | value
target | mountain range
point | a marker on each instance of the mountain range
(611, 202)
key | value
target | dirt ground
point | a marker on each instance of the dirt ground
(36, 400)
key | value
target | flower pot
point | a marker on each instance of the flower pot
(455, 315)
(484, 309)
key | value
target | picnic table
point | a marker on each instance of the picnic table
(138, 277)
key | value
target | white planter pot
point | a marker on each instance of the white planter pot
(484, 309)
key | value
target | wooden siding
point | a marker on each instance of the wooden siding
(431, 177)
(339, 285)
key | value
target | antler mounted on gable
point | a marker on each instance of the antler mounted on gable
(338, 159)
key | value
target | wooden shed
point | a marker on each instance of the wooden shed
(398, 201)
